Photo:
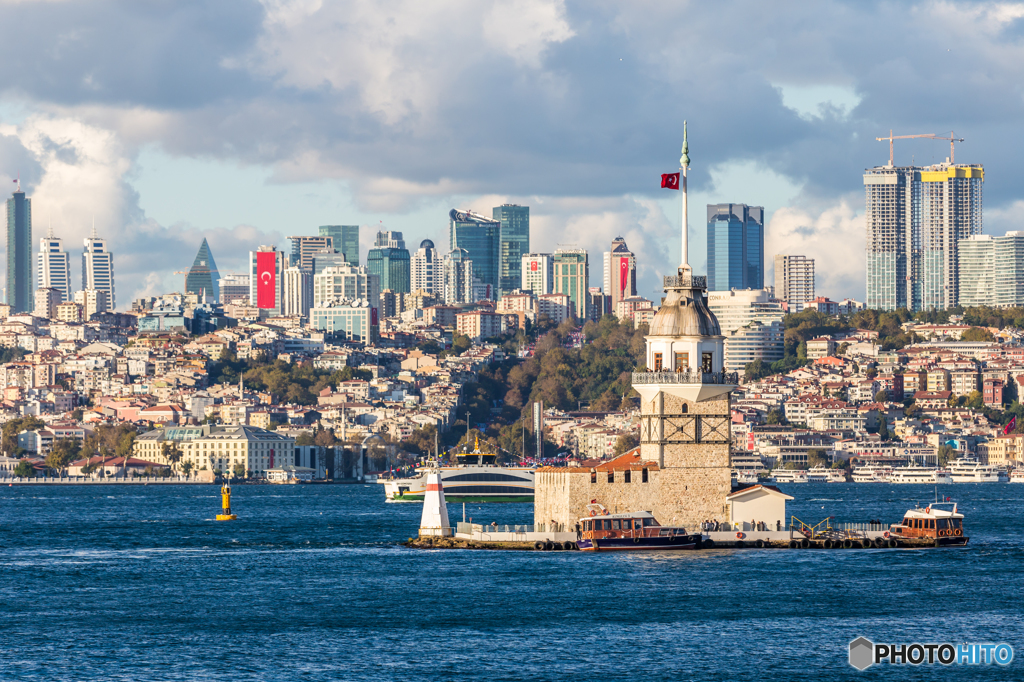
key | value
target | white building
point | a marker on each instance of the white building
(479, 324)
(794, 280)
(355, 319)
(46, 301)
(220, 448)
(537, 273)
(54, 266)
(98, 269)
(425, 270)
(458, 277)
(349, 282)
(751, 321)
(557, 307)
(92, 301)
(992, 270)
(298, 291)
(234, 288)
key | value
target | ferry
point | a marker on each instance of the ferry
(820, 474)
(871, 474)
(743, 477)
(968, 469)
(939, 521)
(1017, 476)
(474, 477)
(918, 474)
(789, 476)
(630, 532)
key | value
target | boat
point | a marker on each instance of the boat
(630, 532)
(938, 521)
(919, 474)
(820, 474)
(1016, 476)
(474, 477)
(968, 469)
(789, 476)
(744, 477)
(869, 473)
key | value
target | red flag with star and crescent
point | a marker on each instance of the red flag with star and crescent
(670, 180)
(1010, 426)
(266, 279)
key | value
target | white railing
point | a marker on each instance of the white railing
(723, 378)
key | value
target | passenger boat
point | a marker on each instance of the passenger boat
(919, 474)
(968, 469)
(871, 474)
(1017, 476)
(789, 476)
(820, 474)
(475, 477)
(939, 521)
(630, 532)
(744, 477)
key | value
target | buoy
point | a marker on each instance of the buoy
(225, 496)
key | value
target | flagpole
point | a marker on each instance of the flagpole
(684, 163)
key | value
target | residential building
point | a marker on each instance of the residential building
(537, 273)
(348, 282)
(557, 307)
(821, 347)
(735, 245)
(92, 301)
(619, 273)
(46, 301)
(345, 239)
(992, 270)
(54, 266)
(992, 393)
(298, 291)
(598, 304)
(794, 281)
(389, 261)
(98, 268)
(426, 271)
(233, 288)
(479, 324)
(305, 248)
(203, 278)
(515, 242)
(457, 277)
(627, 307)
(273, 279)
(571, 270)
(19, 252)
(69, 311)
(480, 237)
(916, 219)
(751, 321)
(353, 320)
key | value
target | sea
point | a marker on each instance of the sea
(312, 583)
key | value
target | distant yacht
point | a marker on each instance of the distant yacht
(820, 474)
(919, 474)
(968, 469)
(789, 476)
(871, 473)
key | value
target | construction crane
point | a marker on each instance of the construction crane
(929, 136)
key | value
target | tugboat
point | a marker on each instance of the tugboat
(939, 522)
(630, 531)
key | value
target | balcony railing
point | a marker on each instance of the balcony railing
(691, 282)
(723, 378)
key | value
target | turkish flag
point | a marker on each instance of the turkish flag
(670, 180)
(1011, 426)
(623, 274)
(266, 279)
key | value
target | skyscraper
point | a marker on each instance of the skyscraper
(538, 273)
(203, 277)
(458, 275)
(54, 266)
(794, 280)
(735, 247)
(98, 269)
(751, 322)
(572, 278)
(348, 282)
(298, 291)
(425, 270)
(481, 238)
(346, 240)
(389, 260)
(515, 242)
(304, 249)
(271, 277)
(992, 270)
(234, 288)
(19, 253)
(619, 272)
(916, 218)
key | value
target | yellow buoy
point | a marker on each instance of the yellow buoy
(225, 495)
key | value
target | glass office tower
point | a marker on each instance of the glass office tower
(515, 243)
(389, 260)
(481, 238)
(735, 247)
(346, 240)
(202, 277)
(19, 253)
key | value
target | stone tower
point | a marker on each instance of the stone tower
(685, 398)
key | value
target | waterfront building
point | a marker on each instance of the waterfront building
(916, 218)
(353, 320)
(92, 301)
(203, 278)
(304, 248)
(571, 276)
(619, 273)
(735, 245)
(233, 288)
(345, 239)
(298, 291)
(480, 237)
(992, 270)
(218, 448)
(98, 268)
(389, 261)
(19, 252)
(268, 272)
(794, 281)
(349, 282)
(457, 276)
(54, 266)
(425, 269)
(537, 273)
(751, 321)
(46, 301)
(515, 242)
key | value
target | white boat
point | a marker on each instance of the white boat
(1016, 476)
(968, 469)
(869, 473)
(919, 474)
(743, 477)
(475, 477)
(789, 476)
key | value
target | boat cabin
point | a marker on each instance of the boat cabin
(476, 459)
(936, 521)
(601, 525)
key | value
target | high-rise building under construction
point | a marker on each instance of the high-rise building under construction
(915, 218)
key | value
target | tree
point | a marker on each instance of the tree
(11, 429)
(976, 334)
(304, 438)
(187, 467)
(816, 457)
(62, 453)
(625, 443)
(882, 396)
(776, 417)
(24, 469)
(172, 453)
(238, 470)
(945, 454)
(325, 441)
(756, 370)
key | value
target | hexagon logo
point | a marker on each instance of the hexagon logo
(862, 653)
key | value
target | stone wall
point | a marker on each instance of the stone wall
(562, 495)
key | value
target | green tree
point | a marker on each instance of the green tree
(11, 429)
(187, 467)
(945, 454)
(172, 453)
(238, 470)
(776, 416)
(304, 438)
(62, 453)
(756, 370)
(625, 443)
(976, 334)
(882, 396)
(816, 457)
(24, 469)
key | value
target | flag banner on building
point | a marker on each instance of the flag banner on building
(266, 279)
(670, 180)
(1010, 426)
(623, 274)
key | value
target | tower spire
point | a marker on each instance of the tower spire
(684, 164)
(93, 235)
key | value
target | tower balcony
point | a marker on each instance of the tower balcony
(715, 378)
(686, 282)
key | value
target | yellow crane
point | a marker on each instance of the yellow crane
(929, 136)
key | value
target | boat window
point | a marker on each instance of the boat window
(606, 524)
(906, 522)
(611, 477)
(637, 523)
(616, 524)
(941, 523)
(650, 522)
(957, 523)
(931, 524)
(626, 476)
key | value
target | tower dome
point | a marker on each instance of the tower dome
(426, 244)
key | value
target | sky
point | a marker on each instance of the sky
(246, 122)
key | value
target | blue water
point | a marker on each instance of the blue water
(118, 583)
